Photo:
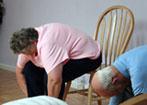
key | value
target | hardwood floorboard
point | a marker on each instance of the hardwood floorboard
(10, 90)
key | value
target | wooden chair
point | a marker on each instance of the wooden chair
(138, 100)
(113, 32)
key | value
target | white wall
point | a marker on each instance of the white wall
(81, 14)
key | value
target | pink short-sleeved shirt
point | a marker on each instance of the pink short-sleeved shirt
(58, 43)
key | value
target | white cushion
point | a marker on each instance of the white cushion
(38, 100)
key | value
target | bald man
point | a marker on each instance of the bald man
(125, 79)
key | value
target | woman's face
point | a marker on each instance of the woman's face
(32, 51)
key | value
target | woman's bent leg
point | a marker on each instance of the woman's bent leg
(34, 80)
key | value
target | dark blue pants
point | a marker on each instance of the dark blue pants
(36, 78)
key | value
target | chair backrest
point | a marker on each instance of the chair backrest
(138, 100)
(113, 31)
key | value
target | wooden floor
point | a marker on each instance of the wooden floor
(9, 90)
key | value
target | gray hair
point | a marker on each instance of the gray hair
(106, 76)
(20, 40)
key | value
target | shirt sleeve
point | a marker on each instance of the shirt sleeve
(116, 100)
(22, 60)
(52, 55)
(121, 65)
(138, 80)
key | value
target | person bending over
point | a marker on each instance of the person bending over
(50, 55)
(126, 78)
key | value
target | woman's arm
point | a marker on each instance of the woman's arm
(55, 81)
(21, 79)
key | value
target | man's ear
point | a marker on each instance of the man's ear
(115, 81)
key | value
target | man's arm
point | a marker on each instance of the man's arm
(21, 79)
(55, 81)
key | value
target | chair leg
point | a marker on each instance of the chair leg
(99, 102)
(66, 90)
(90, 91)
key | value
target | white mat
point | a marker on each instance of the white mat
(38, 100)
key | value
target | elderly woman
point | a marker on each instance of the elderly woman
(51, 55)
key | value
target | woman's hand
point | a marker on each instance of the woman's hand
(21, 79)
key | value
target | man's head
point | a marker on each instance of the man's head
(23, 40)
(109, 82)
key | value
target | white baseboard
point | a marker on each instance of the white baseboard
(7, 67)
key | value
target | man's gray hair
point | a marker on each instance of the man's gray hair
(106, 76)
(20, 40)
